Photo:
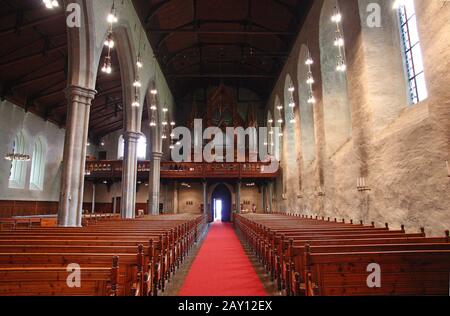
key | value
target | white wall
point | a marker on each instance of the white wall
(12, 120)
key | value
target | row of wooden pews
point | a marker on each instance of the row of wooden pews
(46, 221)
(311, 256)
(112, 257)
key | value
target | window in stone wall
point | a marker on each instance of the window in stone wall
(412, 52)
(141, 148)
(38, 166)
(18, 168)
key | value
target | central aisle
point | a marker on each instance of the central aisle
(222, 268)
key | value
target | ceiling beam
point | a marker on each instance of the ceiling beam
(154, 10)
(31, 56)
(31, 24)
(218, 75)
(39, 78)
(214, 32)
(203, 45)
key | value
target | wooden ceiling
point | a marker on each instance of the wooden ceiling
(242, 42)
(197, 42)
(33, 67)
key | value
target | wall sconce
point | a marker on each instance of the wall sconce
(361, 184)
(448, 168)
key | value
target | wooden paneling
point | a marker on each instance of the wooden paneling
(10, 208)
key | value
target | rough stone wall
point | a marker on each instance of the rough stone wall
(399, 148)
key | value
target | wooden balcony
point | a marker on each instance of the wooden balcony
(112, 170)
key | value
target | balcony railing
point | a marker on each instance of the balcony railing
(186, 170)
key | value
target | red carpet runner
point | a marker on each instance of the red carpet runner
(222, 268)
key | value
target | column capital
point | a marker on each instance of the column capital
(157, 155)
(132, 136)
(80, 91)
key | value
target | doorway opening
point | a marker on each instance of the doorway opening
(221, 204)
(218, 206)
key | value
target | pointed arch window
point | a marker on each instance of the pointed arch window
(18, 168)
(38, 166)
(412, 52)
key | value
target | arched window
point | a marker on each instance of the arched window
(18, 167)
(38, 166)
(141, 148)
(412, 51)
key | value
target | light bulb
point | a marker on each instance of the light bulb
(153, 107)
(164, 123)
(292, 104)
(279, 107)
(291, 89)
(165, 110)
(311, 100)
(337, 17)
(270, 121)
(280, 121)
(154, 91)
(164, 136)
(152, 124)
(172, 147)
(172, 123)
(339, 40)
(139, 63)
(309, 61)
(137, 83)
(112, 17)
(51, 4)
(292, 121)
(109, 42)
(310, 79)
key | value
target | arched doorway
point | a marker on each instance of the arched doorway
(221, 204)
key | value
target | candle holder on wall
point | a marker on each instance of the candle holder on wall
(320, 191)
(448, 168)
(361, 184)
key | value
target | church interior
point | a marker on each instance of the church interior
(224, 148)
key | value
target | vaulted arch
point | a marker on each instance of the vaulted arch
(308, 141)
(336, 108)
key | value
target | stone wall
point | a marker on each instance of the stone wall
(400, 149)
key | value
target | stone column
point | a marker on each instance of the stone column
(175, 198)
(205, 198)
(154, 183)
(74, 159)
(93, 198)
(238, 197)
(129, 175)
(264, 197)
(270, 188)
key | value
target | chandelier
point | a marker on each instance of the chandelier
(17, 157)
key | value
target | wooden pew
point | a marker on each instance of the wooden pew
(279, 241)
(421, 272)
(52, 281)
(161, 245)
